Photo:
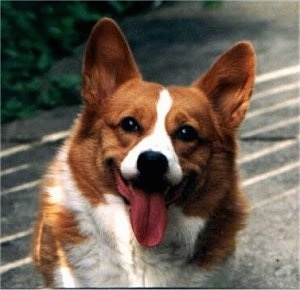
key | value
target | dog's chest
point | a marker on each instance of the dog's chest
(112, 257)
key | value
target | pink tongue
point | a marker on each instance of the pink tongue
(148, 213)
(148, 217)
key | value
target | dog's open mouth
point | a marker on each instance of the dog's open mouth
(148, 210)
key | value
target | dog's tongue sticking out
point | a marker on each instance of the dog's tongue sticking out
(148, 214)
(148, 217)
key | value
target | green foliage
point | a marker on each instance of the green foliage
(212, 3)
(36, 34)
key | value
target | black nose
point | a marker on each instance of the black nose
(152, 165)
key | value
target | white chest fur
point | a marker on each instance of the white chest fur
(111, 256)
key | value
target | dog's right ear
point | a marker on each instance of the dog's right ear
(108, 62)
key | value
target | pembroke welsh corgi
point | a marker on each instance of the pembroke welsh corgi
(145, 191)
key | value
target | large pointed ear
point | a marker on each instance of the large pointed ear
(228, 83)
(108, 62)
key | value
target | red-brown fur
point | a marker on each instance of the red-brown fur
(214, 105)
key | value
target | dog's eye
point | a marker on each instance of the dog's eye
(129, 124)
(186, 133)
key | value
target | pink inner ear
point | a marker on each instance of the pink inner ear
(228, 83)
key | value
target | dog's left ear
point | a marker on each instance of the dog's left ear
(108, 62)
(228, 83)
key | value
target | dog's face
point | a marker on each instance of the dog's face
(157, 145)
(156, 137)
(157, 140)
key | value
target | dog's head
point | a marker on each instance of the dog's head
(154, 145)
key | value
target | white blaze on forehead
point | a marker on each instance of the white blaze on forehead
(163, 107)
(159, 141)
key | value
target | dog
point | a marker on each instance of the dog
(145, 192)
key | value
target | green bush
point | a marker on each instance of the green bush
(34, 35)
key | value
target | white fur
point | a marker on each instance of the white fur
(111, 256)
(159, 141)
(55, 194)
(65, 278)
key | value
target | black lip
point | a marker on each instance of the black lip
(160, 186)
(126, 201)
(172, 194)
(150, 184)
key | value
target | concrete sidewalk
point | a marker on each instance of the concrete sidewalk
(173, 45)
